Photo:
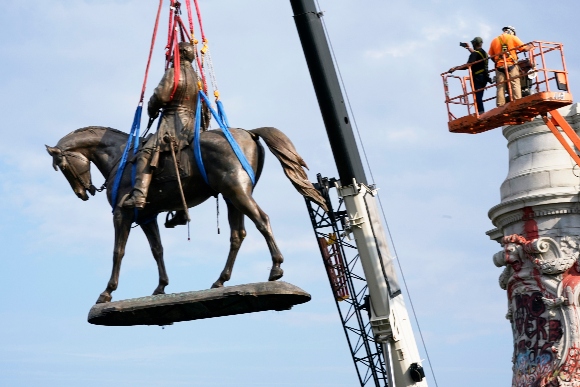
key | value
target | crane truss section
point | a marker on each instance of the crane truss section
(348, 284)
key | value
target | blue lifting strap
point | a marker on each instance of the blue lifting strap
(223, 123)
(196, 146)
(133, 138)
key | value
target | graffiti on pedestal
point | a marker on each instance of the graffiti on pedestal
(535, 335)
(542, 282)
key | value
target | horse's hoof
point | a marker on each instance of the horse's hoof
(275, 274)
(104, 298)
(217, 284)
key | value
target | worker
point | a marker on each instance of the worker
(176, 123)
(507, 43)
(479, 70)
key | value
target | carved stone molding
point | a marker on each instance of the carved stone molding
(503, 220)
(542, 280)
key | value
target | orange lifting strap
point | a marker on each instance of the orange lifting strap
(543, 79)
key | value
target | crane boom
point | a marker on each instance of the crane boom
(388, 315)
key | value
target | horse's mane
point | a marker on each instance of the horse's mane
(93, 130)
(97, 127)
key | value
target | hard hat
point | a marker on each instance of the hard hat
(477, 40)
(509, 29)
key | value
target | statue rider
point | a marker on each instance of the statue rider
(177, 122)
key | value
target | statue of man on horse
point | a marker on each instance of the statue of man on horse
(178, 104)
(223, 173)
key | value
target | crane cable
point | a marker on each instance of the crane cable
(133, 140)
(378, 196)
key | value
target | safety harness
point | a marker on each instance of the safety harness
(486, 69)
(505, 48)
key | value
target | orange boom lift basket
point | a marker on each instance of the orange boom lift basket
(545, 88)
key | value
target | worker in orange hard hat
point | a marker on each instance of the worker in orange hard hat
(508, 44)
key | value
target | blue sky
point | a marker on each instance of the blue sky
(65, 65)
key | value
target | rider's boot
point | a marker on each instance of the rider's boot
(142, 180)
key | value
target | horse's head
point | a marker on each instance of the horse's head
(76, 167)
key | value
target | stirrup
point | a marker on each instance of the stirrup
(177, 219)
(131, 201)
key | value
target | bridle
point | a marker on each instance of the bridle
(79, 176)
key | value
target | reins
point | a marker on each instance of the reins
(79, 176)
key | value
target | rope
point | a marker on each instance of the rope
(378, 197)
(176, 65)
(200, 67)
(196, 144)
(222, 114)
(133, 137)
(208, 62)
(189, 17)
(235, 147)
(153, 37)
(169, 35)
(205, 54)
(203, 39)
(134, 133)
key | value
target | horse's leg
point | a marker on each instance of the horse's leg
(237, 235)
(122, 220)
(151, 230)
(245, 203)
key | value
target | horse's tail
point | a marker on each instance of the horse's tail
(281, 146)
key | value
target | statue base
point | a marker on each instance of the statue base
(166, 309)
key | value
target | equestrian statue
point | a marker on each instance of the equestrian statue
(167, 177)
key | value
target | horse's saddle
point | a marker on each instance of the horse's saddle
(165, 170)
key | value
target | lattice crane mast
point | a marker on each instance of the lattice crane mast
(383, 347)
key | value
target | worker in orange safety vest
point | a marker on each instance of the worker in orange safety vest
(507, 43)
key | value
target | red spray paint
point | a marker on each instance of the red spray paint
(530, 227)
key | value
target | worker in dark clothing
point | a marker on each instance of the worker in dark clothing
(479, 70)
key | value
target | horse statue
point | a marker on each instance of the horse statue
(104, 147)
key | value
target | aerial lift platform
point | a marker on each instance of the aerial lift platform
(545, 88)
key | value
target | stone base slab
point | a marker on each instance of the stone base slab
(166, 309)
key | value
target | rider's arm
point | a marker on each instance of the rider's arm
(162, 94)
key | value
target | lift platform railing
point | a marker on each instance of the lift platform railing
(542, 74)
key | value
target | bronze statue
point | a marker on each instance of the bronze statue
(103, 147)
(178, 103)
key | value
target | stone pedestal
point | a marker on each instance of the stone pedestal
(538, 225)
